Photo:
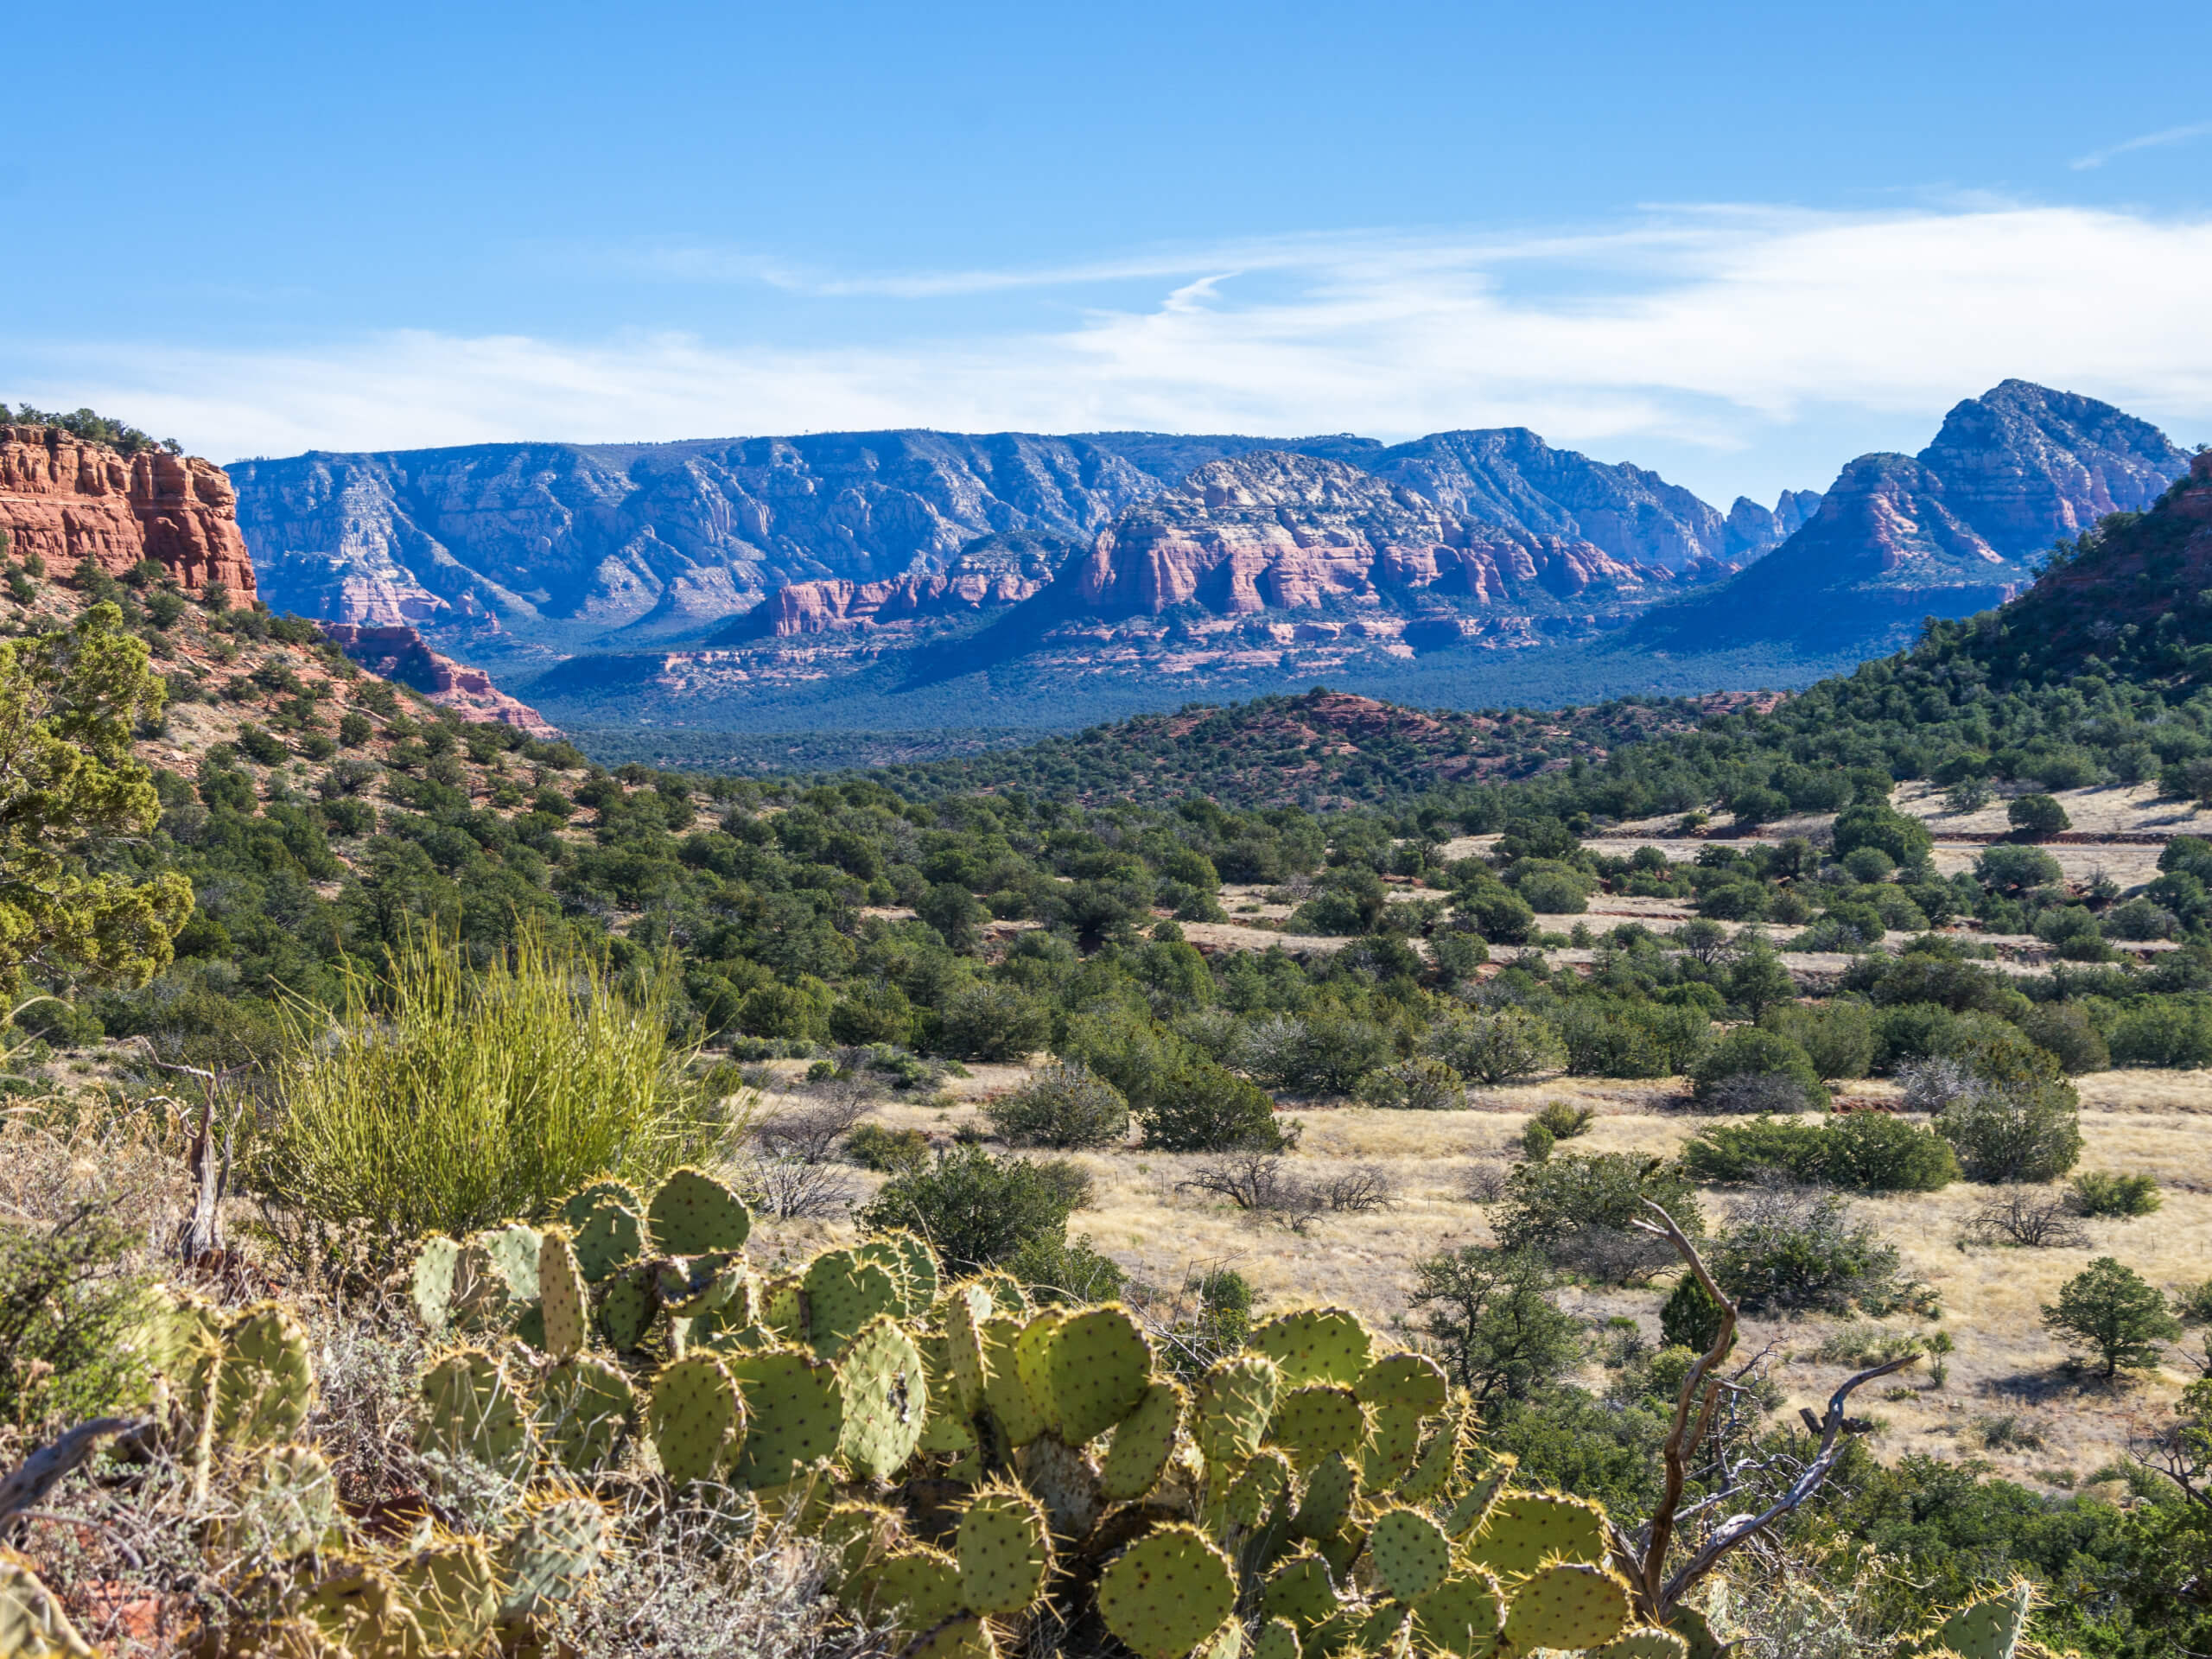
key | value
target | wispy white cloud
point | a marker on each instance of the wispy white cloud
(2147, 141)
(1690, 332)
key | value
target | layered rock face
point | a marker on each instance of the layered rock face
(1274, 530)
(67, 500)
(993, 573)
(1945, 533)
(399, 652)
(564, 541)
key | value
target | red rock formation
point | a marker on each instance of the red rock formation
(400, 653)
(67, 500)
(820, 607)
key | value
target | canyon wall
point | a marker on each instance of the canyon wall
(67, 500)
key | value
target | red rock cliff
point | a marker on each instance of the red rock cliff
(400, 653)
(67, 500)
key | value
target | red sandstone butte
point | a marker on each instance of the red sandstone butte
(67, 500)
(399, 653)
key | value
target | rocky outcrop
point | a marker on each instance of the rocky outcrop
(1754, 531)
(66, 500)
(1945, 533)
(396, 651)
(1274, 530)
(993, 573)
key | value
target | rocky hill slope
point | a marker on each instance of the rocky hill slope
(1946, 533)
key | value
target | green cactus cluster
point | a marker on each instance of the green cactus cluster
(981, 1473)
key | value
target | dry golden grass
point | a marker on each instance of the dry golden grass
(2004, 1364)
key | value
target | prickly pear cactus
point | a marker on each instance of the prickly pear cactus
(454, 1591)
(1317, 1344)
(1143, 1441)
(471, 1409)
(1311, 1423)
(795, 1415)
(886, 1397)
(1100, 1364)
(1567, 1604)
(1989, 1628)
(564, 1299)
(694, 1214)
(1462, 1614)
(1645, 1643)
(843, 1292)
(32, 1624)
(1167, 1593)
(287, 1506)
(1235, 1401)
(1004, 1552)
(696, 1418)
(576, 1209)
(1410, 1553)
(264, 1381)
(627, 1306)
(586, 1411)
(550, 1556)
(608, 1239)
(1525, 1529)
(430, 1284)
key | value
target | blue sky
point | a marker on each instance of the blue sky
(1737, 243)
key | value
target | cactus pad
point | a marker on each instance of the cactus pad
(1330, 1494)
(586, 1409)
(1312, 1422)
(1410, 1553)
(1259, 1488)
(1302, 1589)
(363, 1611)
(843, 1292)
(783, 1308)
(1525, 1529)
(628, 1306)
(576, 1209)
(1645, 1643)
(921, 1585)
(962, 1312)
(1236, 1401)
(794, 1410)
(550, 1556)
(1690, 1624)
(608, 1239)
(454, 1593)
(1017, 1415)
(291, 1505)
(470, 1409)
(563, 1295)
(696, 1417)
(1392, 1444)
(1990, 1628)
(1462, 1615)
(694, 1214)
(1006, 1293)
(1100, 1364)
(887, 1398)
(32, 1624)
(1167, 1593)
(1142, 1443)
(1004, 1552)
(1316, 1344)
(429, 1286)
(1385, 1630)
(955, 1638)
(857, 1536)
(1413, 1381)
(1277, 1639)
(909, 1264)
(1033, 1362)
(1567, 1604)
(1435, 1473)
(1473, 1506)
(1065, 1481)
(264, 1383)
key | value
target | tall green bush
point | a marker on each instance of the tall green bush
(439, 1098)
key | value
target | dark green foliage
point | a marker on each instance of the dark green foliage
(1056, 1268)
(1748, 1053)
(1837, 1036)
(1689, 1318)
(1489, 1316)
(1576, 1209)
(1905, 840)
(1199, 1107)
(978, 1210)
(2034, 817)
(93, 428)
(2163, 1031)
(2110, 1311)
(889, 1152)
(993, 1022)
(1860, 1152)
(69, 1312)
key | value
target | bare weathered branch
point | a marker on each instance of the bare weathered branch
(39, 1474)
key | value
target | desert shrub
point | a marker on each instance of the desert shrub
(2006, 1136)
(793, 1190)
(1733, 901)
(2027, 1217)
(1499, 914)
(1536, 1141)
(1553, 890)
(443, 1099)
(1566, 1121)
(1201, 1107)
(1793, 1252)
(1577, 1210)
(1061, 1270)
(1748, 1051)
(1837, 1035)
(993, 1022)
(1457, 955)
(2063, 1029)
(888, 1152)
(1488, 1316)
(2163, 1031)
(2015, 869)
(875, 1012)
(1065, 1106)
(976, 1209)
(2102, 1192)
(1604, 1040)
(1496, 1046)
(2035, 817)
(2140, 919)
(1876, 823)
(2193, 1304)
(809, 1132)
(1860, 1152)
(1420, 1084)
(70, 1308)
(1324, 1053)
(2109, 1309)
(1689, 1318)
(1753, 1093)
